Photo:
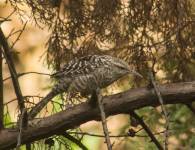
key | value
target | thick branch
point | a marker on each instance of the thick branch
(115, 104)
(12, 69)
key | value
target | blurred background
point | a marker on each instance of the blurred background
(153, 35)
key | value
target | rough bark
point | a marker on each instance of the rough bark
(12, 69)
(114, 104)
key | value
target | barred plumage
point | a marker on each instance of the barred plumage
(85, 75)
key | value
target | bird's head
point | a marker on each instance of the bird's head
(124, 68)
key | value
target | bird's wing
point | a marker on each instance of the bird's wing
(89, 82)
(83, 66)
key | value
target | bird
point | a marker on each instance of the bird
(85, 75)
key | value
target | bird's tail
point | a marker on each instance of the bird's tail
(38, 107)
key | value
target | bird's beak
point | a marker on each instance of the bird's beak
(137, 74)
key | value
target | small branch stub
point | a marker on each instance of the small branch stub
(103, 118)
(22, 125)
(165, 113)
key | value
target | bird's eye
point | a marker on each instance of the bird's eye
(122, 67)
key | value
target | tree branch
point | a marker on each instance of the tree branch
(112, 136)
(158, 93)
(12, 70)
(1, 90)
(73, 139)
(26, 73)
(103, 118)
(20, 33)
(147, 129)
(114, 104)
(22, 125)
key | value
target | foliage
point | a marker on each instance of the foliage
(159, 33)
(151, 35)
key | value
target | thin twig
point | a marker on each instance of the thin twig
(12, 70)
(99, 135)
(112, 136)
(103, 118)
(22, 125)
(24, 97)
(21, 31)
(74, 140)
(147, 129)
(26, 73)
(157, 91)
(3, 19)
(12, 32)
(1, 90)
